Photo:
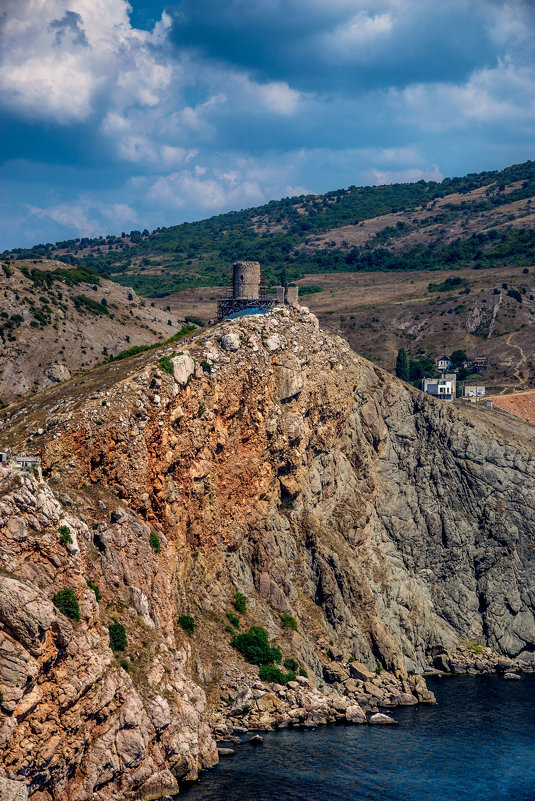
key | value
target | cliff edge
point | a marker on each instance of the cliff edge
(374, 532)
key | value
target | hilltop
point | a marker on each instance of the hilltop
(56, 320)
(480, 220)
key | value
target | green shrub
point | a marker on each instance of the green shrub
(125, 664)
(1, 693)
(65, 535)
(154, 542)
(206, 366)
(166, 364)
(187, 623)
(233, 620)
(229, 629)
(378, 668)
(255, 648)
(240, 603)
(65, 600)
(93, 587)
(272, 674)
(289, 622)
(117, 636)
(291, 664)
(302, 672)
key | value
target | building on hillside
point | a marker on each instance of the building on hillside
(444, 364)
(479, 363)
(444, 388)
(473, 391)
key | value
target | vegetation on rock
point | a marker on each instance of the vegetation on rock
(117, 632)
(65, 600)
(187, 622)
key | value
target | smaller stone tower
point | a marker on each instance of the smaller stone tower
(246, 280)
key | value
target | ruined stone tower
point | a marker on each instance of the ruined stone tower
(246, 280)
(248, 293)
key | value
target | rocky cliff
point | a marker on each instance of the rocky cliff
(375, 533)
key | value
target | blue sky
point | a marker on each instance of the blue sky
(116, 116)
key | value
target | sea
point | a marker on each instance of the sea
(476, 744)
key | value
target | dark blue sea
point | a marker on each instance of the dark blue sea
(476, 744)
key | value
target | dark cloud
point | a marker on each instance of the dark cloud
(72, 23)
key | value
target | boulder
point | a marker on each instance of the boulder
(511, 676)
(231, 342)
(379, 719)
(355, 714)
(333, 673)
(359, 671)
(13, 791)
(183, 368)
(57, 373)
(273, 343)
(243, 702)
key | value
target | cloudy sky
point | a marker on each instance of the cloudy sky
(116, 116)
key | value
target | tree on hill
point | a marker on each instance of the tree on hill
(402, 365)
(458, 357)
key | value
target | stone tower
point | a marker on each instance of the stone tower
(246, 280)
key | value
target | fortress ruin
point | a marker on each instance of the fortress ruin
(249, 293)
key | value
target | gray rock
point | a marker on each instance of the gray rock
(231, 342)
(223, 752)
(183, 368)
(13, 791)
(380, 719)
(511, 676)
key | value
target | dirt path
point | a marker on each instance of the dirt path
(522, 360)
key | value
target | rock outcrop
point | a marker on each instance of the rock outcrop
(374, 532)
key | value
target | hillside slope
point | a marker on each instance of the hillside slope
(483, 219)
(390, 528)
(56, 320)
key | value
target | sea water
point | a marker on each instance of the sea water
(476, 744)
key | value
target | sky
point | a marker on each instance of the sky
(117, 116)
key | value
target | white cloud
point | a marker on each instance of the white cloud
(86, 217)
(210, 193)
(411, 175)
(493, 95)
(349, 40)
(59, 57)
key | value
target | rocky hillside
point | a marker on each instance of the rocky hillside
(56, 320)
(372, 532)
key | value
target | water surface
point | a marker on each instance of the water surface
(476, 744)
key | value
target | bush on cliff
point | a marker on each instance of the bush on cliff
(117, 636)
(240, 603)
(154, 542)
(187, 623)
(289, 622)
(65, 600)
(254, 646)
(65, 535)
(291, 664)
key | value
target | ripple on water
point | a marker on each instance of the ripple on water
(477, 744)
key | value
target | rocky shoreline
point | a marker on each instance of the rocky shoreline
(350, 693)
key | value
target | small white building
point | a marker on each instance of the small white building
(473, 391)
(444, 364)
(444, 388)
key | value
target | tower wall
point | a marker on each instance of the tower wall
(246, 279)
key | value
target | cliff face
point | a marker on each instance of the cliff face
(279, 464)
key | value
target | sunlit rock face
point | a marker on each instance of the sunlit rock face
(391, 528)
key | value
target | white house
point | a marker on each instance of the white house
(443, 388)
(444, 364)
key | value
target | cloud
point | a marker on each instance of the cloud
(352, 40)
(499, 95)
(60, 59)
(86, 217)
